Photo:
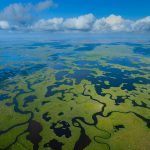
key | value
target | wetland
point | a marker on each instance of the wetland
(82, 95)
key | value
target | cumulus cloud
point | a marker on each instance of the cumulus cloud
(142, 24)
(24, 14)
(80, 23)
(44, 5)
(53, 24)
(22, 17)
(90, 23)
(17, 13)
(4, 25)
(112, 23)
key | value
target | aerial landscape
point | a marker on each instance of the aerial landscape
(74, 80)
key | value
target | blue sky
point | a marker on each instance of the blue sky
(76, 15)
(132, 9)
(127, 8)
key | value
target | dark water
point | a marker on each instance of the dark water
(34, 129)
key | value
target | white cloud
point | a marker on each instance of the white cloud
(142, 24)
(54, 24)
(17, 13)
(24, 14)
(44, 5)
(4, 25)
(80, 23)
(113, 19)
(112, 23)
(117, 23)
(23, 17)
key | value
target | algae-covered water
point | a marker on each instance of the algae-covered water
(65, 95)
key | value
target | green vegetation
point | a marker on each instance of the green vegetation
(71, 99)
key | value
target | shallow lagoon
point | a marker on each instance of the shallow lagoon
(65, 95)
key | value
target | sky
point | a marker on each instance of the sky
(75, 15)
